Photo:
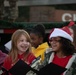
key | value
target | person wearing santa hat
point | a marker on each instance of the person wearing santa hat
(62, 51)
(73, 32)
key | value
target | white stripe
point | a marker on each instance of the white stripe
(51, 57)
(70, 63)
(59, 32)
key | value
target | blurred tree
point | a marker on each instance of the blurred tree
(13, 8)
(1, 9)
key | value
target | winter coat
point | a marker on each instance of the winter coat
(40, 50)
(71, 65)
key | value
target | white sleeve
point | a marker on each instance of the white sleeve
(8, 46)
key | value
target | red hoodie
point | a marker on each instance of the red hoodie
(8, 62)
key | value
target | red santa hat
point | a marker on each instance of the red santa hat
(62, 32)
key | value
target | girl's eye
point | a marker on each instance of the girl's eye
(21, 40)
(56, 40)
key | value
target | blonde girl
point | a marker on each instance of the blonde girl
(20, 49)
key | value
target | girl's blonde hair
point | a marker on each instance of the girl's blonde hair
(14, 51)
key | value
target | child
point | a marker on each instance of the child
(63, 50)
(2, 57)
(20, 49)
(37, 35)
(73, 31)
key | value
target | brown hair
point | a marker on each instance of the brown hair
(74, 33)
(14, 51)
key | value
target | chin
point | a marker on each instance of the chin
(23, 51)
(54, 50)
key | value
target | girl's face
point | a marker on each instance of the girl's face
(55, 44)
(22, 44)
(35, 40)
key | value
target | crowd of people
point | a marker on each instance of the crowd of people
(28, 47)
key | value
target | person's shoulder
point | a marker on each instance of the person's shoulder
(8, 59)
(48, 50)
(8, 45)
(74, 55)
(71, 70)
(31, 57)
(31, 54)
(3, 55)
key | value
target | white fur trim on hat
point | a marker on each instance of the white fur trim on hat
(59, 32)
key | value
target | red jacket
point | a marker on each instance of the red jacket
(8, 63)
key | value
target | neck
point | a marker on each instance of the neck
(60, 54)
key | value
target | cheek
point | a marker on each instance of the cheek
(28, 44)
(19, 43)
(59, 46)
